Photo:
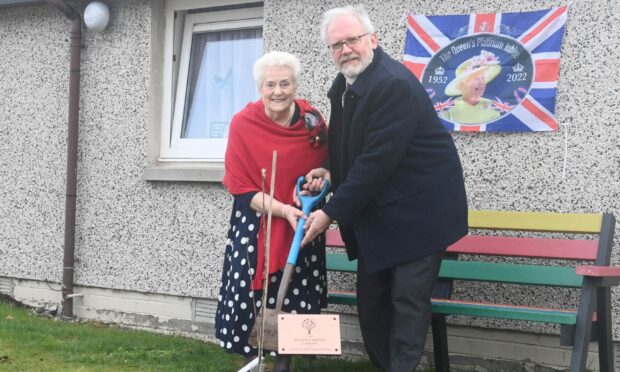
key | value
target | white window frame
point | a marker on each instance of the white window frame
(178, 38)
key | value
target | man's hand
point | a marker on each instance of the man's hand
(314, 179)
(314, 183)
(317, 222)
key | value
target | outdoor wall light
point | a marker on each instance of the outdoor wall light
(96, 16)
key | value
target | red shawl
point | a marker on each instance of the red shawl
(251, 141)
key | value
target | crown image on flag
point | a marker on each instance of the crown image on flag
(518, 67)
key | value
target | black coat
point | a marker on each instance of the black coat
(398, 183)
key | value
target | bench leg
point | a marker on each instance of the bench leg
(583, 327)
(440, 343)
(603, 329)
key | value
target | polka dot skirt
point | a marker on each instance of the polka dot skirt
(238, 304)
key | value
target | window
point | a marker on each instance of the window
(208, 59)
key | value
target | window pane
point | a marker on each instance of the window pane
(220, 81)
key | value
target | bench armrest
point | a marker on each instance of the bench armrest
(598, 271)
(607, 275)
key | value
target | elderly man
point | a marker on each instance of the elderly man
(399, 196)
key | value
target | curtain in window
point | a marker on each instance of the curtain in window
(220, 81)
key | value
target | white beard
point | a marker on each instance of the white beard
(352, 70)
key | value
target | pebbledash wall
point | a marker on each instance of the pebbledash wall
(149, 252)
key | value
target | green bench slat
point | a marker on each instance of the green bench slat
(504, 312)
(342, 298)
(485, 271)
(340, 262)
(536, 221)
(448, 307)
(510, 273)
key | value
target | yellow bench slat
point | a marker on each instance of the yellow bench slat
(536, 221)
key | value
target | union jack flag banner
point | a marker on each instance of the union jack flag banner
(489, 72)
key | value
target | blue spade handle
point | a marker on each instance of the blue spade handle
(307, 203)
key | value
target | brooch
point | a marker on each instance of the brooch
(317, 128)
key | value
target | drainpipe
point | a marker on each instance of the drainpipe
(75, 46)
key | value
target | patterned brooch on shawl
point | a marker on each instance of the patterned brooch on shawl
(317, 128)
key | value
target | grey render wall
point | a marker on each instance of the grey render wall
(168, 237)
(131, 234)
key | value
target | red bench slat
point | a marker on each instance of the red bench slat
(568, 249)
(333, 238)
(572, 249)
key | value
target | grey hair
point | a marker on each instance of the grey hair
(356, 11)
(276, 59)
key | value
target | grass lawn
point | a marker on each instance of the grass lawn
(31, 342)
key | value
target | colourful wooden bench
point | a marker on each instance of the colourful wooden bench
(573, 260)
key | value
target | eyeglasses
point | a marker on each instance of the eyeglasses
(352, 41)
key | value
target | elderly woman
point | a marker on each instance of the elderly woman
(292, 127)
(470, 82)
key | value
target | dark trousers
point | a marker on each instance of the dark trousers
(394, 310)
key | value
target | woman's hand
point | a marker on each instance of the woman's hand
(291, 214)
(260, 203)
